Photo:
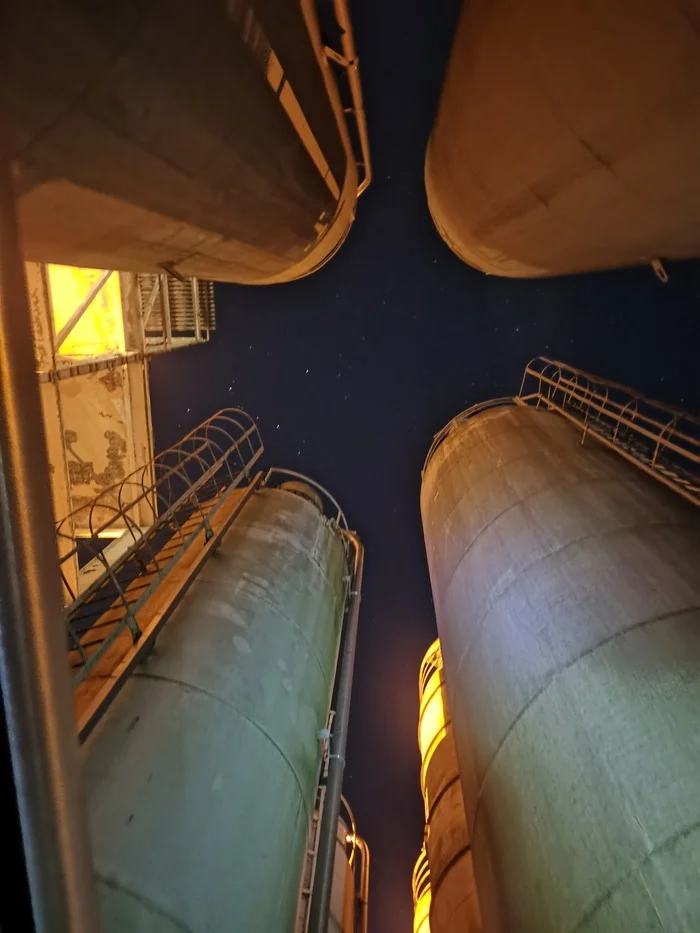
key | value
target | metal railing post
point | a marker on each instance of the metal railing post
(33, 667)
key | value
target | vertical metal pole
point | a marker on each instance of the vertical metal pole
(197, 310)
(33, 657)
(165, 304)
(319, 910)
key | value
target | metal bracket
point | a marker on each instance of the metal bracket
(659, 270)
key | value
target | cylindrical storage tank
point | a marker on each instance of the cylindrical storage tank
(202, 776)
(568, 135)
(206, 137)
(567, 594)
(454, 906)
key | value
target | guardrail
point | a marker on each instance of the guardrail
(660, 439)
(138, 529)
(348, 61)
(464, 416)
(327, 502)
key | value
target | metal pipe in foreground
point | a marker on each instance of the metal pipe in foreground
(323, 880)
(33, 668)
(363, 896)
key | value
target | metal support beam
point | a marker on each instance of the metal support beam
(319, 910)
(165, 304)
(197, 310)
(148, 310)
(33, 669)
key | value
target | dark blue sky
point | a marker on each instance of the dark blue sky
(351, 372)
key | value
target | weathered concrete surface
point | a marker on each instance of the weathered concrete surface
(201, 777)
(568, 135)
(208, 136)
(567, 596)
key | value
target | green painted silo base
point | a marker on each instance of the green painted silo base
(201, 777)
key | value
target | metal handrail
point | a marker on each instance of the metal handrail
(660, 439)
(354, 843)
(350, 62)
(464, 416)
(586, 389)
(339, 516)
(181, 489)
(348, 818)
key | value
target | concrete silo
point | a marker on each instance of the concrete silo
(568, 135)
(201, 778)
(220, 140)
(567, 595)
(454, 904)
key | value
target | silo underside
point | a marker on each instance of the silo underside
(209, 138)
(568, 135)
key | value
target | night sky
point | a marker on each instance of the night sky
(350, 373)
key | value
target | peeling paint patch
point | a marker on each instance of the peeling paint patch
(112, 380)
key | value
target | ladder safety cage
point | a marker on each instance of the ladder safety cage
(137, 530)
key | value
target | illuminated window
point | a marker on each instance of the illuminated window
(100, 329)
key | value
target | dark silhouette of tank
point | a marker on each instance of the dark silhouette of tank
(568, 135)
(210, 139)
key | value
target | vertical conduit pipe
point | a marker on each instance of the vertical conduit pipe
(325, 859)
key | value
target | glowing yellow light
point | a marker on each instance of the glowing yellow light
(421, 915)
(432, 714)
(421, 894)
(107, 533)
(101, 328)
(432, 727)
